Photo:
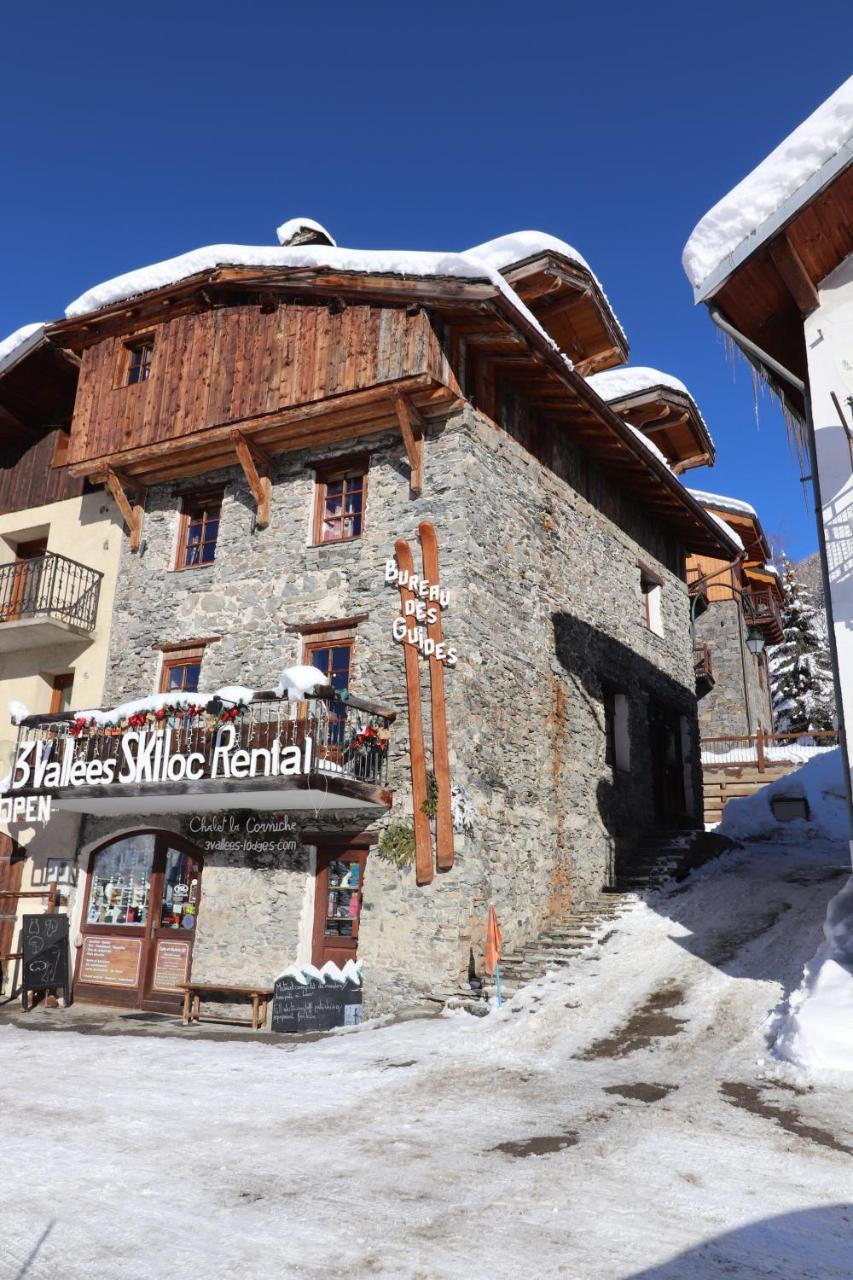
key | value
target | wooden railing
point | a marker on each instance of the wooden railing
(760, 749)
(349, 736)
(763, 609)
(50, 586)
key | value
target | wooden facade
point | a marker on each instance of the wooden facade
(28, 477)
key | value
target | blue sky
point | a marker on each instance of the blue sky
(134, 133)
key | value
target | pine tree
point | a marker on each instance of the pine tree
(800, 669)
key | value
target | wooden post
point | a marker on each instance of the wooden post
(444, 845)
(255, 462)
(759, 750)
(52, 897)
(423, 836)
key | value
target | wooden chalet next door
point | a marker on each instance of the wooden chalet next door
(142, 900)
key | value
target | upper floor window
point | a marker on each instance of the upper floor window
(650, 589)
(199, 529)
(333, 658)
(340, 502)
(60, 693)
(181, 672)
(139, 355)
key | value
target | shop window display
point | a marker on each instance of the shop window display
(121, 882)
(344, 898)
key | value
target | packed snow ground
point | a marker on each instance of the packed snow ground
(622, 1118)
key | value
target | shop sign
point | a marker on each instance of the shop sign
(421, 611)
(147, 756)
(236, 833)
(172, 965)
(25, 809)
(112, 962)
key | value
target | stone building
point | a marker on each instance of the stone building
(737, 608)
(288, 432)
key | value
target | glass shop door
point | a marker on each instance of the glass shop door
(337, 904)
(176, 895)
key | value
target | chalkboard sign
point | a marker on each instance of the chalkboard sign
(45, 954)
(297, 1007)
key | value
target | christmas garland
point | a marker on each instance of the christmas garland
(171, 714)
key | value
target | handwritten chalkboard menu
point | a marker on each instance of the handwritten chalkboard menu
(45, 954)
(311, 1007)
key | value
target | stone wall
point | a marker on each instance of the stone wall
(737, 704)
(545, 613)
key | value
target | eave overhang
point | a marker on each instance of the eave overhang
(673, 422)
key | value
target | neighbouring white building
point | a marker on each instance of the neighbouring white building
(773, 261)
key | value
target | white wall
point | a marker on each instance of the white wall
(829, 347)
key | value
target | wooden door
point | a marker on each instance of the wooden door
(337, 903)
(141, 892)
(667, 765)
(11, 869)
(24, 586)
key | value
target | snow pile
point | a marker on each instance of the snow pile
(629, 380)
(17, 711)
(288, 230)
(816, 1030)
(296, 682)
(820, 783)
(16, 346)
(725, 504)
(741, 214)
(330, 972)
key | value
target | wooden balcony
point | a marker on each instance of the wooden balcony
(326, 753)
(47, 600)
(761, 609)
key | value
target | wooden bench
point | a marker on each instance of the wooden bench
(194, 992)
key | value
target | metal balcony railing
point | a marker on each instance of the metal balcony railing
(50, 586)
(350, 736)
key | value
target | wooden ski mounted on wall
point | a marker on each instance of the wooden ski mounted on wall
(423, 839)
(440, 752)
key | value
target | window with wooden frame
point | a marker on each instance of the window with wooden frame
(138, 365)
(340, 499)
(181, 669)
(60, 693)
(650, 588)
(333, 658)
(198, 529)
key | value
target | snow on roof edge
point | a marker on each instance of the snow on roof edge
(610, 386)
(19, 344)
(292, 225)
(516, 246)
(804, 162)
(736, 505)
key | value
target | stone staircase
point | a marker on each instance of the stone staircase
(654, 860)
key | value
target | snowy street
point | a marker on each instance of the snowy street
(620, 1119)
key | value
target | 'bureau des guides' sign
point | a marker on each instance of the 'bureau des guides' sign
(420, 610)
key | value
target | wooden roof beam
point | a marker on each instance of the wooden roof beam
(796, 278)
(255, 462)
(412, 429)
(129, 497)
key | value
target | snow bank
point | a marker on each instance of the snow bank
(815, 1032)
(820, 782)
(741, 214)
(293, 226)
(16, 346)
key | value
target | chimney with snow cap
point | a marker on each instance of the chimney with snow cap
(298, 231)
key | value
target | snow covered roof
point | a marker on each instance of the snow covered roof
(724, 504)
(18, 344)
(785, 181)
(294, 226)
(506, 251)
(516, 247)
(628, 380)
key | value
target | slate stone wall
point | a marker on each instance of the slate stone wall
(545, 613)
(737, 704)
